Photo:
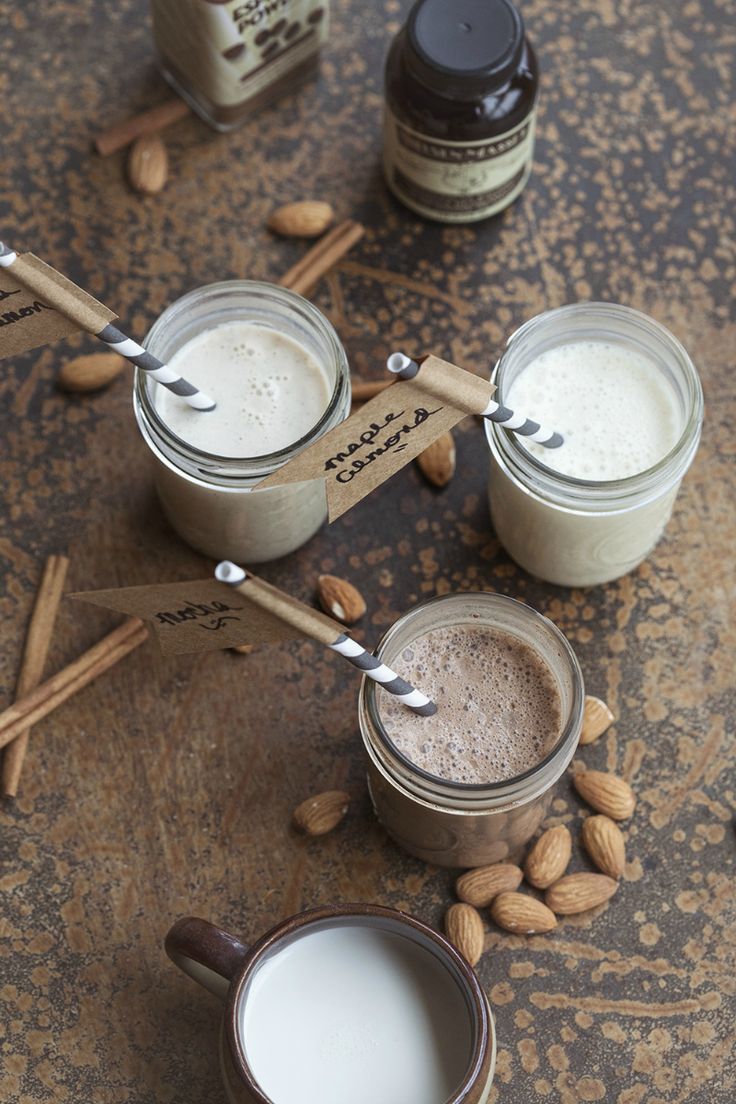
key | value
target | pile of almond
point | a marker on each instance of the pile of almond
(497, 887)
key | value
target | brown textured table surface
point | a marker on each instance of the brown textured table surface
(167, 787)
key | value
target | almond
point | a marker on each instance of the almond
(340, 598)
(437, 462)
(547, 861)
(516, 912)
(148, 164)
(321, 813)
(244, 649)
(606, 793)
(579, 892)
(597, 717)
(305, 219)
(90, 373)
(604, 842)
(478, 887)
(464, 929)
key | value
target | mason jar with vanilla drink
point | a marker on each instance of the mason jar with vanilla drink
(279, 377)
(627, 399)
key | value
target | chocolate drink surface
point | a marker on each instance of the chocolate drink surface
(499, 711)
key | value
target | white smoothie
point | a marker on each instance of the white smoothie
(355, 1014)
(271, 392)
(615, 410)
(620, 408)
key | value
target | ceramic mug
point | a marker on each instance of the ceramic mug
(345, 1002)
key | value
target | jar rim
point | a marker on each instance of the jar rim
(251, 467)
(670, 467)
(501, 786)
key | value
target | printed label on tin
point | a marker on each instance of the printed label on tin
(231, 50)
(457, 181)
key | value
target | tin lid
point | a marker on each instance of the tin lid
(460, 47)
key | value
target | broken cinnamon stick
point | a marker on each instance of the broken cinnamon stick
(35, 650)
(303, 276)
(127, 130)
(31, 708)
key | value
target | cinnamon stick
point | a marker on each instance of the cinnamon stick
(127, 130)
(303, 276)
(363, 391)
(38, 638)
(31, 708)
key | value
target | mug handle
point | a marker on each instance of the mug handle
(206, 953)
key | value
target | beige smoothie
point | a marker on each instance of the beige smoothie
(270, 393)
(626, 398)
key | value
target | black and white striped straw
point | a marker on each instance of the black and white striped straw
(344, 645)
(137, 355)
(406, 368)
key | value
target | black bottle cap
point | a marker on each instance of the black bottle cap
(464, 47)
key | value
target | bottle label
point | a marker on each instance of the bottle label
(230, 51)
(457, 181)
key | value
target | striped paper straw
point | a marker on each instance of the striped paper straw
(406, 368)
(136, 354)
(344, 645)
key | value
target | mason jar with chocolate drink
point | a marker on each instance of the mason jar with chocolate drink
(471, 784)
(279, 377)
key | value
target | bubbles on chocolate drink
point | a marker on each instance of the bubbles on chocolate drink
(500, 710)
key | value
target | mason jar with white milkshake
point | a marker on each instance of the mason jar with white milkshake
(279, 377)
(627, 399)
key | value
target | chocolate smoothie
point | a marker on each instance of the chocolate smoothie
(499, 711)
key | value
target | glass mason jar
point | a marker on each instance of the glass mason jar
(212, 501)
(230, 58)
(456, 823)
(572, 531)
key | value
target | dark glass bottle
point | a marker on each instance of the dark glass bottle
(461, 93)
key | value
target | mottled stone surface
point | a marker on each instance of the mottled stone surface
(167, 787)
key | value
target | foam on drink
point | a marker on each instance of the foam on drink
(615, 409)
(269, 389)
(499, 710)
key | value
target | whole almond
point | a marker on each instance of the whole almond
(91, 372)
(305, 219)
(340, 598)
(464, 929)
(606, 793)
(547, 861)
(516, 912)
(148, 164)
(579, 892)
(437, 462)
(597, 717)
(604, 842)
(478, 887)
(321, 813)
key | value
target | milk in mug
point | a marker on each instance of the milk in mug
(368, 1016)
(626, 398)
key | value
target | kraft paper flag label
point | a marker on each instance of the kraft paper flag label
(386, 433)
(200, 616)
(55, 308)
